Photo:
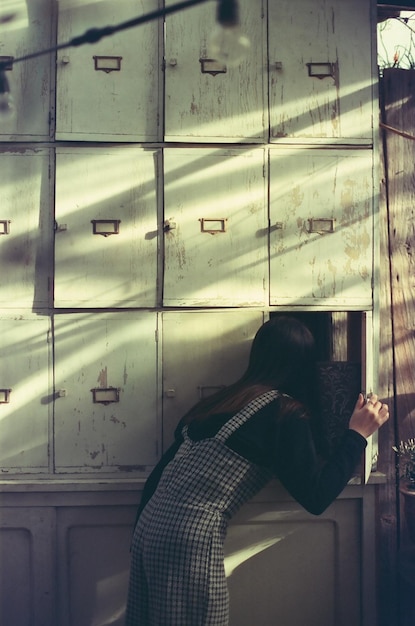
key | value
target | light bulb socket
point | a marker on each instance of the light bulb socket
(227, 14)
(4, 83)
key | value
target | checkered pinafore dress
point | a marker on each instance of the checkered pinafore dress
(177, 571)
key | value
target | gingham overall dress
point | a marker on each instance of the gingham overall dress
(177, 573)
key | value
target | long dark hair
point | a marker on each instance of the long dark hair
(282, 357)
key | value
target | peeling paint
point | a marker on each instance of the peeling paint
(125, 374)
(194, 109)
(296, 197)
(103, 377)
(332, 268)
(357, 245)
(115, 420)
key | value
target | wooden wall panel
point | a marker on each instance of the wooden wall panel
(27, 593)
(397, 324)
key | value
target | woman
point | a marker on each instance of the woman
(227, 447)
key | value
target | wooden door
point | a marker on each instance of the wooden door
(25, 393)
(202, 352)
(26, 231)
(106, 227)
(285, 566)
(215, 228)
(321, 228)
(30, 81)
(108, 91)
(206, 101)
(105, 393)
(93, 562)
(321, 71)
(27, 565)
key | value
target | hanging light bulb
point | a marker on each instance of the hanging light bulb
(228, 43)
(7, 108)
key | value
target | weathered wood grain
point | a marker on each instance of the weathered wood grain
(397, 318)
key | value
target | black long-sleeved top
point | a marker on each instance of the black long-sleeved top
(279, 437)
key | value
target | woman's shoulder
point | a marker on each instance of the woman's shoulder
(286, 406)
(283, 408)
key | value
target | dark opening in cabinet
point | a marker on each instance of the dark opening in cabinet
(341, 369)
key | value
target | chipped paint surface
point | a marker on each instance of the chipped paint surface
(336, 105)
(24, 420)
(116, 420)
(332, 266)
(225, 107)
(122, 107)
(115, 271)
(220, 187)
(102, 378)
(25, 250)
(32, 96)
(105, 351)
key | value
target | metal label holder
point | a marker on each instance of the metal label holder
(107, 64)
(4, 227)
(5, 396)
(105, 395)
(322, 225)
(212, 67)
(105, 227)
(213, 225)
(322, 70)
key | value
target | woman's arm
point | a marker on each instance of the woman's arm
(313, 483)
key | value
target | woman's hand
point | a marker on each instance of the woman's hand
(368, 416)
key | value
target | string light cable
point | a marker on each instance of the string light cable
(228, 43)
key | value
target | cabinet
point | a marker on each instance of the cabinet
(31, 81)
(321, 227)
(260, 197)
(252, 202)
(286, 550)
(25, 394)
(27, 565)
(320, 76)
(72, 552)
(308, 76)
(106, 412)
(194, 367)
(215, 227)
(25, 233)
(106, 238)
(108, 91)
(202, 105)
(93, 547)
(146, 233)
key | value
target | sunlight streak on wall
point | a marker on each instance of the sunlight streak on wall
(13, 14)
(233, 561)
